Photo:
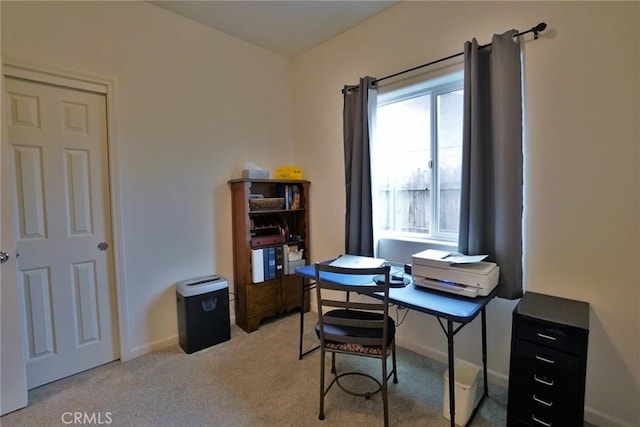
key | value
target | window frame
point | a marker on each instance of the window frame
(450, 82)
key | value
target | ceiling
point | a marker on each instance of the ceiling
(285, 27)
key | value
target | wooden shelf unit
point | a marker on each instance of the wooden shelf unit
(255, 302)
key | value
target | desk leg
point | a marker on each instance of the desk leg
(452, 378)
(484, 367)
(301, 318)
(484, 351)
(302, 288)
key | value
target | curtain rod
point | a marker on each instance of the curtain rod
(535, 30)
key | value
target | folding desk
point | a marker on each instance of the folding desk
(444, 306)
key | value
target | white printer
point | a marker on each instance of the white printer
(465, 275)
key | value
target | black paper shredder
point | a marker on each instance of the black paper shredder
(203, 312)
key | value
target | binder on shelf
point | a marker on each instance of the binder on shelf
(279, 260)
(270, 259)
(265, 263)
(285, 259)
(257, 265)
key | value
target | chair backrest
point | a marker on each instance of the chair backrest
(359, 280)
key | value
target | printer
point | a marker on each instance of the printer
(465, 275)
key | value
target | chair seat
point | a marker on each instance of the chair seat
(353, 331)
(357, 348)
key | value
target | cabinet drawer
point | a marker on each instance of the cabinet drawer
(555, 336)
(542, 366)
(535, 414)
(541, 397)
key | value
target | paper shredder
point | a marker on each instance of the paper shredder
(203, 312)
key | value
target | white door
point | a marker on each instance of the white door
(58, 139)
(13, 379)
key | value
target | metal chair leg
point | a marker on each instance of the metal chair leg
(321, 414)
(385, 402)
(395, 368)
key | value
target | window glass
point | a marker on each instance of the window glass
(449, 141)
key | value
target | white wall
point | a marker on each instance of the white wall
(582, 182)
(193, 105)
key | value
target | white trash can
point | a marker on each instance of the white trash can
(466, 381)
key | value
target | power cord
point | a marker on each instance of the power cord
(404, 316)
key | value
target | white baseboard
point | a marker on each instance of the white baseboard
(600, 419)
(156, 345)
(150, 348)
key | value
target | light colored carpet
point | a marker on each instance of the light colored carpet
(251, 380)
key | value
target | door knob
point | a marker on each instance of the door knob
(103, 246)
(4, 257)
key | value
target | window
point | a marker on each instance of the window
(416, 160)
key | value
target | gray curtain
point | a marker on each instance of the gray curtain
(359, 104)
(491, 199)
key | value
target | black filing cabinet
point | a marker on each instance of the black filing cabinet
(548, 361)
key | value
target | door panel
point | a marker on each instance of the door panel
(86, 302)
(59, 141)
(28, 167)
(39, 316)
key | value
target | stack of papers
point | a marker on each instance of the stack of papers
(436, 258)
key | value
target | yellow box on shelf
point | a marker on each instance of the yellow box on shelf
(289, 172)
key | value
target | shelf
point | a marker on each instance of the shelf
(266, 212)
(271, 181)
(263, 229)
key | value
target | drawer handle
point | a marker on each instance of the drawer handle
(539, 421)
(542, 401)
(543, 380)
(546, 337)
(545, 359)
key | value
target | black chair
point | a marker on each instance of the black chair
(355, 328)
